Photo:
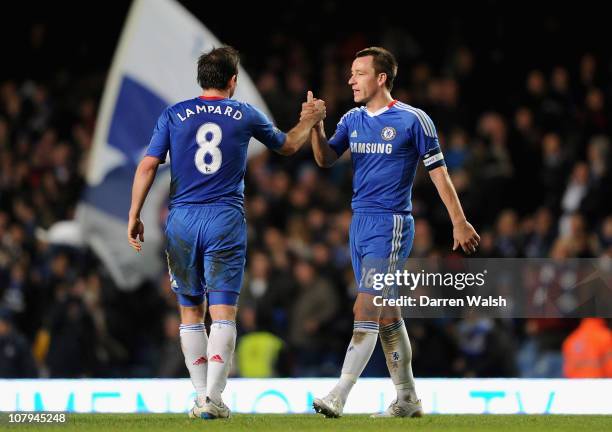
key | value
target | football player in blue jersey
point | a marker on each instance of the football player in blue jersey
(386, 139)
(207, 139)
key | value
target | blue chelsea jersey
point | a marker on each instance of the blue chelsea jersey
(207, 139)
(385, 149)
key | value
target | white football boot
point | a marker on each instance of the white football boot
(198, 402)
(330, 406)
(402, 409)
(209, 410)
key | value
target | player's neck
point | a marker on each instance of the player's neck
(382, 99)
(216, 93)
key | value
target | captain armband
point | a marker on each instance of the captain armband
(433, 159)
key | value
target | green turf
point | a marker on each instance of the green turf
(295, 423)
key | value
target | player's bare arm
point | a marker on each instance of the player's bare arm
(143, 179)
(464, 234)
(297, 136)
(324, 155)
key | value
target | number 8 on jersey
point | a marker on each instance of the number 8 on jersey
(210, 147)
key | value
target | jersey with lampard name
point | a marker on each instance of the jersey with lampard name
(385, 149)
(207, 139)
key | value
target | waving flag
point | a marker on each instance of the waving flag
(154, 66)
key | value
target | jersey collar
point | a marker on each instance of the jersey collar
(381, 110)
(211, 98)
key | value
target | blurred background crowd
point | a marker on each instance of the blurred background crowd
(524, 116)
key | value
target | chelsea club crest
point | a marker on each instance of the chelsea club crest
(388, 133)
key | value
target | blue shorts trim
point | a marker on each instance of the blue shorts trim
(214, 298)
(190, 301)
(222, 298)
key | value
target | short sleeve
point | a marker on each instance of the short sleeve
(426, 141)
(339, 141)
(160, 141)
(264, 130)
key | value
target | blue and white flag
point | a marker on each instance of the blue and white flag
(154, 66)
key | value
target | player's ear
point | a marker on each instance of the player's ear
(382, 78)
(233, 81)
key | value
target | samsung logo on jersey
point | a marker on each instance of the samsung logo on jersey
(380, 148)
(211, 109)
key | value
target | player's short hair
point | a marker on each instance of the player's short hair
(217, 67)
(384, 62)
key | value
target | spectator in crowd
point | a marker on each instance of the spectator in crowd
(171, 362)
(485, 347)
(587, 351)
(72, 337)
(540, 235)
(314, 308)
(259, 353)
(16, 359)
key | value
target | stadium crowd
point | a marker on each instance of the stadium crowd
(532, 172)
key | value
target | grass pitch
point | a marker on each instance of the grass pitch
(315, 423)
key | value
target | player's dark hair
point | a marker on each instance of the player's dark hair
(217, 67)
(384, 62)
